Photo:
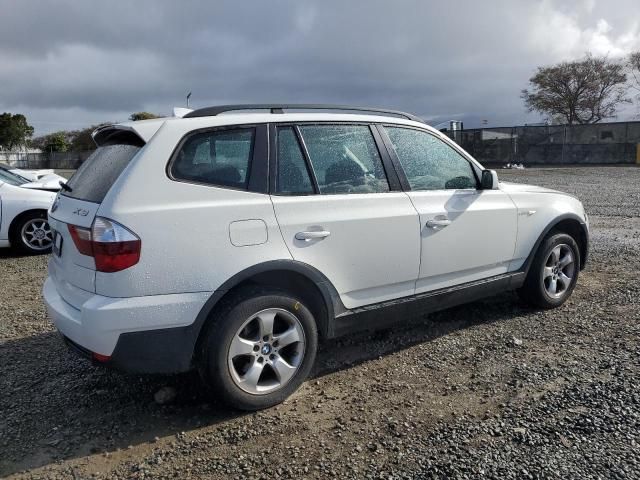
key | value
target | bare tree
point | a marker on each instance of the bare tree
(633, 64)
(582, 91)
(634, 68)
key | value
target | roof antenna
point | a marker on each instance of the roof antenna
(188, 97)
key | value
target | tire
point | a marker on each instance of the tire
(245, 362)
(555, 267)
(31, 233)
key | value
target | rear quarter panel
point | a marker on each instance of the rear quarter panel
(184, 227)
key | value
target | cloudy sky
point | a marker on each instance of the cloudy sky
(68, 64)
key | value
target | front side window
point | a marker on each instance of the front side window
(344, 158)
(428, 162)
(220, 157)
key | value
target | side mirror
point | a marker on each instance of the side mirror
(489, 180)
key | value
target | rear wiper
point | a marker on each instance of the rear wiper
(65, 187)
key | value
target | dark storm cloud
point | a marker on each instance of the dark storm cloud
(69, 63)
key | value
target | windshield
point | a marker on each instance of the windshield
(11, 178)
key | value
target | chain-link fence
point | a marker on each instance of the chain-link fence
(56, 160)
(604, 143)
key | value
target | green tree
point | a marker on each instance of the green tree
(142, 116)
(57, 142)
(53, 142)
(14, 130)
(582, 91)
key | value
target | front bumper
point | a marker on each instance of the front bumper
(151, 334)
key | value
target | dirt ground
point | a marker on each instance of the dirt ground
(493, 389)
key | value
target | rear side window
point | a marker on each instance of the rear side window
(220, 157)
(345, 159)
(98, 173)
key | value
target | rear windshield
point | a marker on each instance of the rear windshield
(98, 173)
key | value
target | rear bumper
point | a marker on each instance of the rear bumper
(151, 334)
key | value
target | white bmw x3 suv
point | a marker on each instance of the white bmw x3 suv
(232, 242)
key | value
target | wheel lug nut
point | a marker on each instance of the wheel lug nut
(275, 344)
(272, 356)
(260, 359)
(265, 338)
(256, 348)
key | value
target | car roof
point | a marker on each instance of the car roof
(147, 128)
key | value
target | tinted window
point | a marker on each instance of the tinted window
(98, 173)
(428, 162)
(220, 157)
(293, 176)
(345, 158)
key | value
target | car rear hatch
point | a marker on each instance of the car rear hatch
(76, 207)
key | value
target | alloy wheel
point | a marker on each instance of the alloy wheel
(266, 351)
(36, 234)
(558, 271)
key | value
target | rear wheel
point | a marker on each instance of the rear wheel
(259, 349)
(553, 273)
(32, 233)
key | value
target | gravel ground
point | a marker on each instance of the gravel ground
(492, 389)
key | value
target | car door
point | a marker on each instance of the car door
(466, 233)
(339, 213)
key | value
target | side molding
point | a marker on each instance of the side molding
(414, 306)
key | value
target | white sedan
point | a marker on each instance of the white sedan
(23, 214)
(32, 175)
(44, 179)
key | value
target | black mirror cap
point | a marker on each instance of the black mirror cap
(486, 182)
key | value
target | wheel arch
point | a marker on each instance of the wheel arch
(571, 224)
(296, 277)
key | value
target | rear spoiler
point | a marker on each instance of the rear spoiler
(110, 134)
(135, 133)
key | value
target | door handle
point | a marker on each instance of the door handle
(438, 223)
(314, 235)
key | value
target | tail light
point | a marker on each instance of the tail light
(99, 357)
(112, 246)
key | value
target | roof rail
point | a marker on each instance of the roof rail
(280, 107)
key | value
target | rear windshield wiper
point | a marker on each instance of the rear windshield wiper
(65, 187)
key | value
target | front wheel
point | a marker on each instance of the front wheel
(259, 349)
(553, 273)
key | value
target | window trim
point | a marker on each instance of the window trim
(386, 160)
(305, 158)
(475, 167)
(258, 168)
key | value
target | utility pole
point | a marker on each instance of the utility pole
(188, 97)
